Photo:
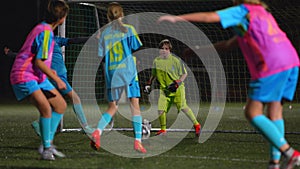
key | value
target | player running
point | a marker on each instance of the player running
(273, 64)
(170, 73)
(116, 43)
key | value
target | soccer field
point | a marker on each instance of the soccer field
(234, 145)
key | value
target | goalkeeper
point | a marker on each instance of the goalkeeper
(170, 73)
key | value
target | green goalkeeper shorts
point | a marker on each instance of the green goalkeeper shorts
(165, 102)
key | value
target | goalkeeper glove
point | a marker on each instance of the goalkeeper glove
(147, 88)
(173, 86)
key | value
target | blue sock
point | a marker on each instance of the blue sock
(55, 120)
(45, 124)
(137, 127)
(268, 130)
(80, 114)
(275, 153)
(103, 122)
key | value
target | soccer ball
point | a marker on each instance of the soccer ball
(146, 129)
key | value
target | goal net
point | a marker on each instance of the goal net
(212, 79)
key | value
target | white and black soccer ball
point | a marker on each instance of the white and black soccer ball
(146, 129)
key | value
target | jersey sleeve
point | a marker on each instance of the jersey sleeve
(134, 39)
(42, 45)
(61, 41)
(232, 16)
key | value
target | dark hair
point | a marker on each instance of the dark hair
(57, 9)
(165, 42)
(114, 15)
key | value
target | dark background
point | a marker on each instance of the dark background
(17, 20)
(19, 17)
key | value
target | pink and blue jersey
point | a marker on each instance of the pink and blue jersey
(38, 45)
(117, 48)
(266, 48)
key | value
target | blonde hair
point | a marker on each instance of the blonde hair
(256, 2)
(115, 12)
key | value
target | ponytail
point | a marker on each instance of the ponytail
(114, 15)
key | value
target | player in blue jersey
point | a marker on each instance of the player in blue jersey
(59, 66)
(31, 70)
(273, 64)
(116, 43)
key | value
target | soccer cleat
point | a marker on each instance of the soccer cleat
(292, 161)
(48, 155)
(53, 149)
(95, 141)
(36, 127)
(41, 149)
(161, 132)
(197, 129)
(56, 152)
(139, 147)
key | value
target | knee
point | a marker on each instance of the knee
(61, 107)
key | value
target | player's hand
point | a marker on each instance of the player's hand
(61, 85)
(147, 89)
(173, 86)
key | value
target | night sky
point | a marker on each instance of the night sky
(18, 17)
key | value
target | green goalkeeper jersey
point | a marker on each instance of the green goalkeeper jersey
(166, 70)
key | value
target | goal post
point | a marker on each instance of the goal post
(87, 16)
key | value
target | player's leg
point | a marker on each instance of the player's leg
(59, 106)
(164, 105)
(263, 124)
(78, 110)
(112, 95)
(275, 115)
(35, 124)
(133, 93)
(181, 104)
(42, 104)
(272, 89)
(33, 90)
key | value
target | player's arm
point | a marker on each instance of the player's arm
(205, 17)
(147, 88)
(182, 77)
(39, 48)
(78, 40)
(50, 73)
(220, 47)
(227, 45)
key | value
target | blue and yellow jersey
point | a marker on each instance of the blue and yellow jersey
(117, 48)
